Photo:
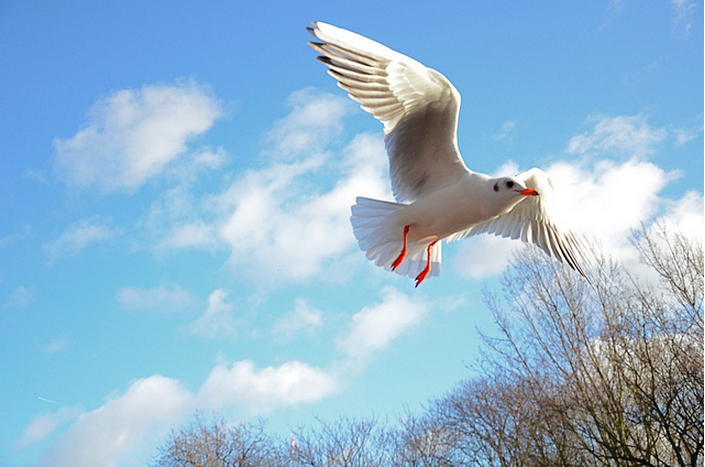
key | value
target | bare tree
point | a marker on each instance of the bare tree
(219, 444)
(346, 442)
(422, 441)
(604, 375)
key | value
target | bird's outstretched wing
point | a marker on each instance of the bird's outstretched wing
(417, 105)
(533, 221)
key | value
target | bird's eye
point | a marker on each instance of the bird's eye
(510, 184)
(496, 187)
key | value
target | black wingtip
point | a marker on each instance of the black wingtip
(317, 46)
(314, 28)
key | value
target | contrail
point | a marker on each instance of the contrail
(51, 401)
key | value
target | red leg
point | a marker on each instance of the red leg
(423, 274)
(402, 255)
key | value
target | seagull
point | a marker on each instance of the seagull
(438, 196)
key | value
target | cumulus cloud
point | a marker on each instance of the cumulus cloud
(686, 216)
(606, 195)
(194, 234)
(690, 132)
(303, 319)
(483, 256)
(44, 425)
(375, 327)
(624, 136)
(598, 199)
(162, 298)
(177, 220)
(314, 119)
(79, 236)
(281, 221)
(604, 198)
(132, 135)
(608, 198)
(262, 390)
(117, 432)
(126, 429)
(194, 164)
(285, 219)
(506, 130)
(218, 319)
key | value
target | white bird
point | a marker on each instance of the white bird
(438, 197)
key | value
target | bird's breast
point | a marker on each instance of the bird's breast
(447, 211)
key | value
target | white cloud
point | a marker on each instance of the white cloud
(132, 135)
(21, 297)
(262, 390)
(15, 237)
(624, 136)
(507, 169)
(690, 132)
(684, 13)
(303, 318)
(617, 5)
(218, 319)
(608, 199)
(79, 236)
(44, 425)
(483, 256)
(194, 164)
(279, 221)
(162, 298)
(127, 428)
(685, 135)
(602, 198)
(55, 344)
(506, 130)
(315, 118)
(196, 234)
(686, 216)
(283, 221)
(178, 221)
(375, 327)
(124, 427)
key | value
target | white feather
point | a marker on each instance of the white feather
(419, 109)
(382, 240)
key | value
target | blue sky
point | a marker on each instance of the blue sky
(175, 183)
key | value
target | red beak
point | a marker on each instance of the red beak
(528, 192)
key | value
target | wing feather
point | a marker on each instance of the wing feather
(417, 105)
(533, 221)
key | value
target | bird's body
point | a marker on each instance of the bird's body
(447, 211)
(438, 197)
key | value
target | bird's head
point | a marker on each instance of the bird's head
(510, 186)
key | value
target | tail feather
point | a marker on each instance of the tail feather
(382, 240)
